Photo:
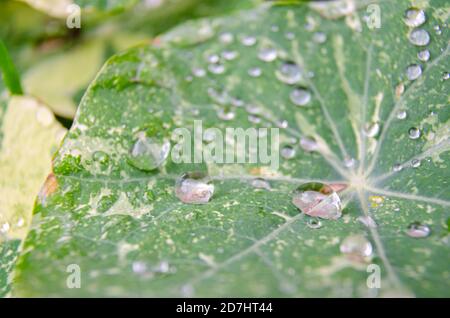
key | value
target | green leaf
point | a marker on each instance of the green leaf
(10, 76)
(29, 136)
(131, 236)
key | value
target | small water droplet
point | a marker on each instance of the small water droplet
(419, 37)
(287, 152)
(237, 102)
(216, 68)
(418, 230)
(229, 55)
(255, 119)
(413, 72)
(289, 73)
(314, 223)
(414, 17)
(139, 267)
(255, 72)
(267, 54)
(274, 28)
(260, 183)
(397, 167)
(415, 163)
(253, 109)
(194, 188)
(424, 55)
(198, 72)
(414, 133)
(319, 37)
(226, 114)
(226, 38)
(308, 143)
(349, 162)
(445, 76)
(401, 114)
(356, 246)
(438, 30)
(248, 40)
(20, 222)
(300, 96)
(289, 36)
(317, 199)
(213, 58)
(367, 221)
(371, 129)
(4, 228)
(282, 124)
(149, 153)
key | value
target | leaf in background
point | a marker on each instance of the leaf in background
(29, 137)
(335, 81)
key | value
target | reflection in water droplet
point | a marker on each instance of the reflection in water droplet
(216, 68)
(300, 96)
(194, 188)
(317, 199)
(226, 114)
(229, 55)
(248, 40)
(414, 17)
(308, 144)
(289, 73)
(149, 153)
(267, 54)
(367, 221)
(418, 230)
(415, 163)
(419, 37)
(314, 223)
(260, 183)
(319, 37)
(371, 129)
(414, 133)
(423, 55)
(356, 246)
(255, 72)
(413, 72)
(401, 114)
(287, 152)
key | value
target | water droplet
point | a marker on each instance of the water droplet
(282, 124)
(226, 38)
(274, 28)
(445, 76)
(217, 68)
(149, 153)
(414, 133)
(317, 199)
(287, 152)
(4, 228)
(248, 40)
(308, 144)
(349, 162)
(289, 73)
(397, 167)
(267, 54)
(371, 129)
(319, 37)
(255, 72)
(415, 163)
(401, 114)
(438, 30)
(300, 96)
(419, 37)
(226, 114)
(213, 58)
(260, 183)
(255, 119)
(423, 55)
(414, 17)
(289, 35)
(356, 246)
(237, 102)
(198, 72)
(418, 230)
(314, 223)
(253, 109)
(413, 72)
(139, 267)
(229, 55)
(194, 187)
(20, 222)
(367, 221)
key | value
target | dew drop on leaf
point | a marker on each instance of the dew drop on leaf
(308, 144)
(401, 114)
(415, 163)
(289, 73)
(289, 35)
(198, 72)
(367, 221)
(414, 133)
(318, 199)
(397, 167)
(255, 72)
(349, 162)
(287, 152)
(260, 183)
(213, 58)
(314, 223)
(300, 96)
(371, 129)
(446, 76)
(414, 17)
(194, 187)
(267, 54)
(216, 68)
(226, 114)
(248, 40)
(4, 228)
(418, 230)
(424, 55)
(149, 153)
(229, 55)
(419, 37)
(319, 37)
(226, 38)
(255, 119)
(357, 246)
(413, 72)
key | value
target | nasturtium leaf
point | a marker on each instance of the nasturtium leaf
(339, 81)
(29, 136)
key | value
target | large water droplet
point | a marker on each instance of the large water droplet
(424, 55)
(289, 73)
(308, 144)
(300, 96)
(413, 72)
(414, 17)
(414, 133)
(149, 153)
(418, 230)
(318, 199)
(260, 183)
(287, 152)
(371, 129)
(356, 246)
(194, 187)
(267, 54)
(419, 37)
